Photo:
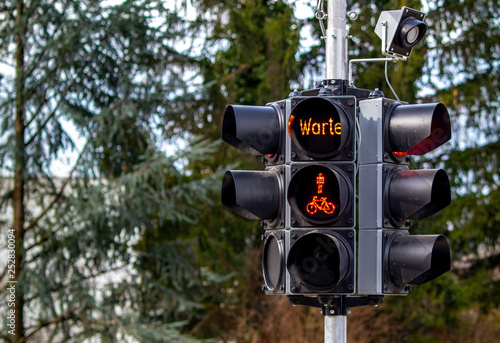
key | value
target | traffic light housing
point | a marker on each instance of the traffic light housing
(391, 195)
(256, 130)
(305, 197)
(321, 195)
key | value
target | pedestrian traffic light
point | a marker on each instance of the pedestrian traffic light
(321, 195)
(322, 128)
(322, 172)
(306, 195)
(391, 195)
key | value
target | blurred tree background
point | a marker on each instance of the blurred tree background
(132, 244)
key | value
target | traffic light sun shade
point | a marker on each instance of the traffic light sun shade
(417, 194)
(417, 259)
(254, 130)
(252, 194)
(417, 129)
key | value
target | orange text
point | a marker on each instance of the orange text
(323, 128)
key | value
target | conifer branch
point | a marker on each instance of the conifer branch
(69, 314)
(58, 196)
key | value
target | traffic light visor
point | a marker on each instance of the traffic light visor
(417, 194)
(418, 129)
(254, 130)
(417, 259)
(252, 194)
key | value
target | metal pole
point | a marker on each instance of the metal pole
(335, 329)
(336, 35)
(336, 68)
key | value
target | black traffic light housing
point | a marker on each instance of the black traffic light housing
(306, 195)
(391, 195)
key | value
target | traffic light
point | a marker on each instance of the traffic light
(320, 255)
(256, 130)
(259, 130)
(391, 195)
(306, 195)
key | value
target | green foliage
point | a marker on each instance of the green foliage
(460, 71)
(105, 252)
(134, 244)
(366, 44)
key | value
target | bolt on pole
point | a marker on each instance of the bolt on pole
(336, 35)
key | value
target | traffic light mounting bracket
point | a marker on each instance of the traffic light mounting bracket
(336, 305)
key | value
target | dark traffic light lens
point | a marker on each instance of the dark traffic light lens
(318, 193)
(319, 261)
(411, 31)
(272, 262)
(319, 126)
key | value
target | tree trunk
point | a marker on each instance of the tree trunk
(19, 176)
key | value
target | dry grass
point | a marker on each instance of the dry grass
(260, 318)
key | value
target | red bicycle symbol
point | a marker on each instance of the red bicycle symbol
(320, 204)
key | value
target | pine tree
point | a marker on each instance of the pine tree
(114, 73)
(456, 65)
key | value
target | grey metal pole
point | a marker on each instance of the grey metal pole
(336, 36)
(336, 68)
(335, 329)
